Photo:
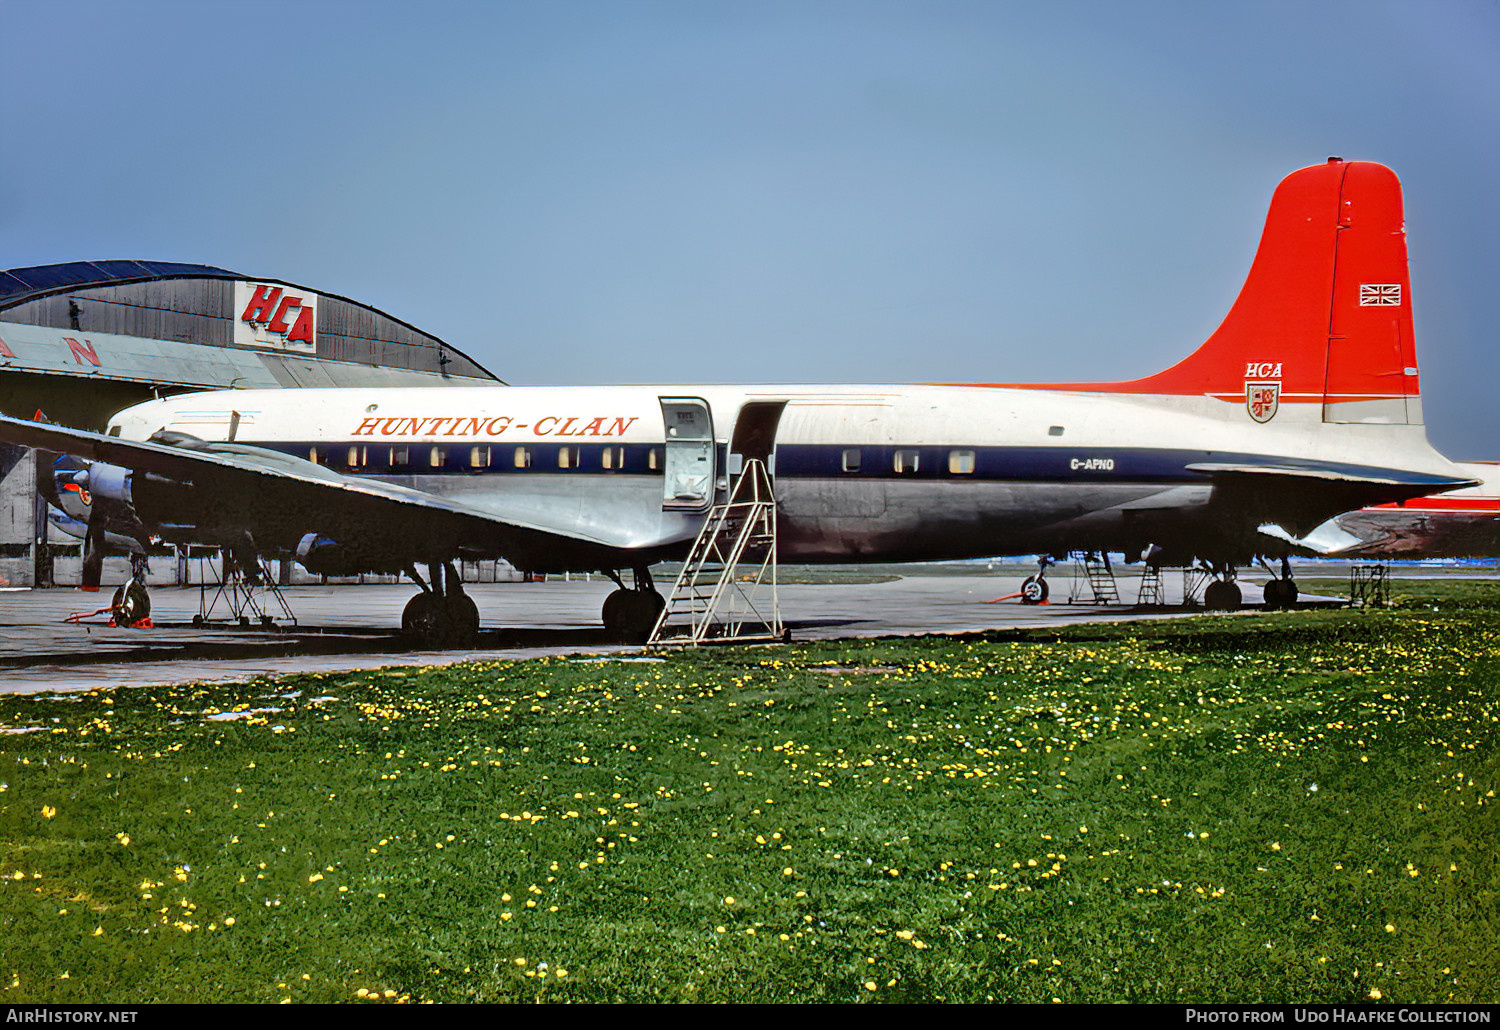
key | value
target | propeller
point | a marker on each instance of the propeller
(93, 555)
(93, 540)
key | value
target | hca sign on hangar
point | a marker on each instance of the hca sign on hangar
(79, 341)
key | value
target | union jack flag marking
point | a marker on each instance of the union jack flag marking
(1386, 295)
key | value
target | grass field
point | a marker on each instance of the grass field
(1248, 808)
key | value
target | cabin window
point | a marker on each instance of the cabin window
(522, 458)
(315, 455)
(479, 457)
(852, 457)
(438, 457)
(653, 459)
(358, 456)
(567, 457)
(613, 458)
(400, 456)
(906, 460)
(1054, 430)
(960, 463)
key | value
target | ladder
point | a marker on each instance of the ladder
(1152, 594)
(726, 589)
(1101, 577)
(1369, 586)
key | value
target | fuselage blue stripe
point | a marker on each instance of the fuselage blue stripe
(828, 461)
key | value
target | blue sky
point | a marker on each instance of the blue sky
(582, 191)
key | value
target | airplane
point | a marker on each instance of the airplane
(1303, 404)
(1464, 523)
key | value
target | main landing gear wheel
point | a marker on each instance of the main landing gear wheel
(1222, 595)
(1034, 590)
(1281, 593)
(432, 621)
(631, 614)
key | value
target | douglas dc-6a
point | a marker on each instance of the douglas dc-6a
(1303, 404)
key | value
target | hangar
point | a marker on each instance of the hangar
(81, 340)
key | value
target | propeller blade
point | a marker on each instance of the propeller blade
(93, 557)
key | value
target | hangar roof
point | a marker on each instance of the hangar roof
(19, 284)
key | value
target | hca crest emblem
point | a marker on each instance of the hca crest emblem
(1262, 400)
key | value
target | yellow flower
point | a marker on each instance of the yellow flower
(48, 811)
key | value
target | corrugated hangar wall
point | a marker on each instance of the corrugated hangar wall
(79, 341)
(203, 311)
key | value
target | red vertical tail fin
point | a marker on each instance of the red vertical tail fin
(1324, 316)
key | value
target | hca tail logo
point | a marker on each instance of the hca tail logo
(275, 316)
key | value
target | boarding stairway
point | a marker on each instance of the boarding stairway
(726, 589)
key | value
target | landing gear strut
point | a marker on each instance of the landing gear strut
(442, 615)
(631, 614)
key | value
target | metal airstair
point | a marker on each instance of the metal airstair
(726, 590)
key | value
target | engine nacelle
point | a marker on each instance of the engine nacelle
(94, 493)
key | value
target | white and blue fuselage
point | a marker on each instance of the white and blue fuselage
(871, 473)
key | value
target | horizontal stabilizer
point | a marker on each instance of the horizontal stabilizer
(1416, 483)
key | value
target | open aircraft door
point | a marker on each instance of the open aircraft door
(755, 436)
(688, 457)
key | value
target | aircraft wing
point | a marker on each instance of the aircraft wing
(279, 499)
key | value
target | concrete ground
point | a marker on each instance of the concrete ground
(350, 626)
